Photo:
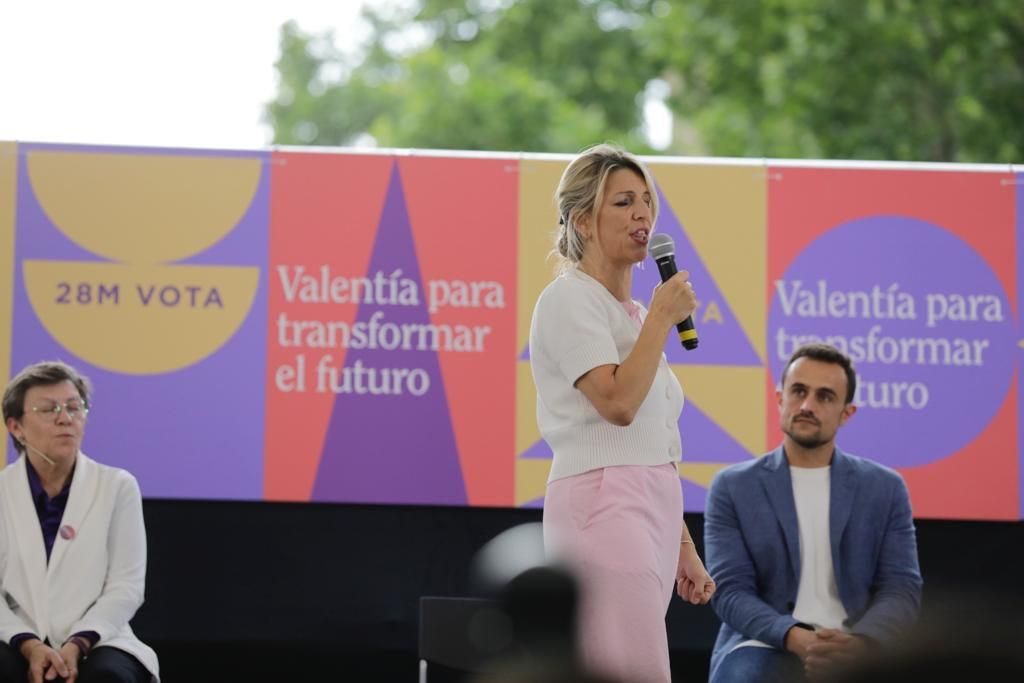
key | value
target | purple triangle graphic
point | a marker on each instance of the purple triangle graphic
(536, 503)
(695, 497)
(721, 343)
(390, 447)
(716, 445)
(539, 451)
(525, 355)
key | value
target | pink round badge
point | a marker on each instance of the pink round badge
(67, 532)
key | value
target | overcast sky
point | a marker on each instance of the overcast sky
(187, 73)
(176, 74)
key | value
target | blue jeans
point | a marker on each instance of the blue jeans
(759, 665)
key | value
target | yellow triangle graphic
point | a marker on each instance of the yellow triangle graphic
(732, 397)
(700, 473)
(527, 432)
(531, 478)
(720, 208)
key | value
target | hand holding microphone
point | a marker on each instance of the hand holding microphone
(681, 301)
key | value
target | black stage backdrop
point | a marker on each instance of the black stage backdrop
(283, 591)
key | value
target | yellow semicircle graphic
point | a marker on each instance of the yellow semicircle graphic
(138, 208)
(140, 320)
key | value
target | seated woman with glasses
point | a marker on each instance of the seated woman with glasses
(72, 543)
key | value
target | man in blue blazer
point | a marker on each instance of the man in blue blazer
(813, 549)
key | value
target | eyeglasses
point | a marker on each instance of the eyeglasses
(75, 408)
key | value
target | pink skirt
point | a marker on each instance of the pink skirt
(619, 529)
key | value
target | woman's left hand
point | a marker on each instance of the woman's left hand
(71, 656)
(693, 583)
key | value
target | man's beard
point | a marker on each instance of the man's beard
(808, 442)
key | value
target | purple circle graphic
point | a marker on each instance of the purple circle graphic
(926, 322)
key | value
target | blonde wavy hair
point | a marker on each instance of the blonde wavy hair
(581, 191)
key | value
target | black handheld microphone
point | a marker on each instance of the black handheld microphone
(663, 251)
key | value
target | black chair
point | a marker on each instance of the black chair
(464, 634)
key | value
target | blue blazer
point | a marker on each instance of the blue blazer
(752, 549)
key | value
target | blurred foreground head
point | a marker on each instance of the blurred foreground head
(537, 600)
(962, 636)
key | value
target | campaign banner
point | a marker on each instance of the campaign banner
(147, 271)
(912, 273)
(390, 374)
(352, 327)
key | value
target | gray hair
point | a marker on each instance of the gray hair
(44, 373)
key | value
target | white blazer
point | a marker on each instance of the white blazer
(95, 580)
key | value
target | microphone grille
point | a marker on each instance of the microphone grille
(661, 245)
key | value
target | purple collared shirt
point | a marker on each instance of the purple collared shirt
(49, 510)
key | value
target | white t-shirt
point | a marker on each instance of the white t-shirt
(817, 598)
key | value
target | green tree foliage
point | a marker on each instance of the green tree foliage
(533, 75)
(855, 79)
(870, 79)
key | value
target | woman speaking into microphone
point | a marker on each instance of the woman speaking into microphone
(608, 405)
